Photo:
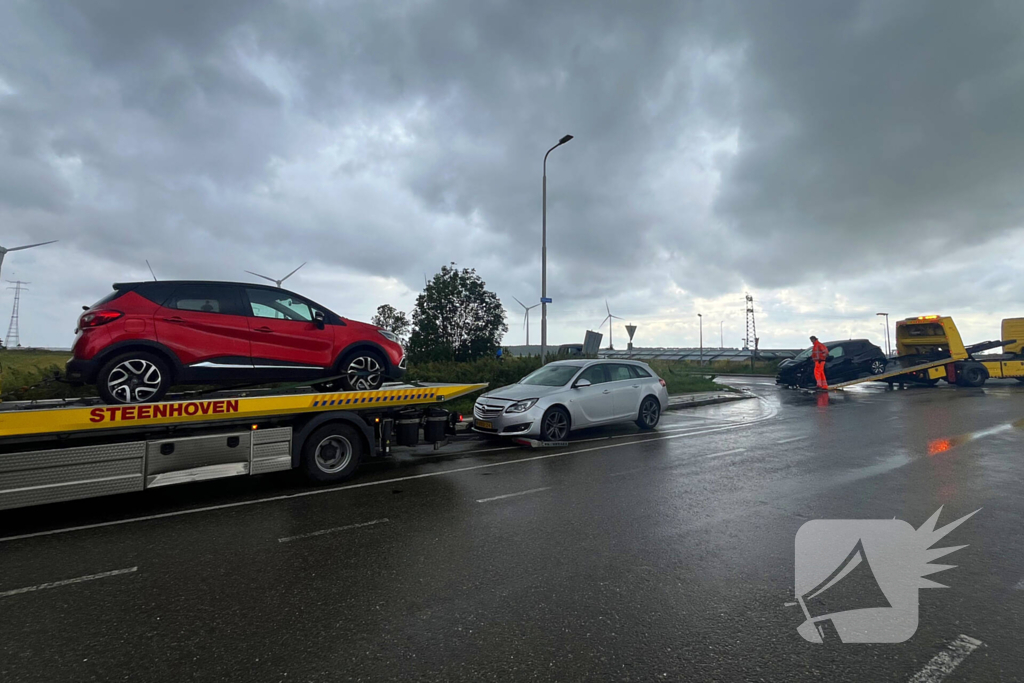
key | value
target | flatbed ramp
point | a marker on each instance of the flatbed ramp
(891, 374)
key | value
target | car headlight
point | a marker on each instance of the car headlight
(390, 336)
(521, 406)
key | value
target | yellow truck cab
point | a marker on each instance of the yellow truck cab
(934, 337)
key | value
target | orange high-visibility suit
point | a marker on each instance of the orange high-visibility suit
(819, 354)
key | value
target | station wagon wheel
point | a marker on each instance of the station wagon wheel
(363, 371)
(136, 377)
(554, 426)
(877, 366)
(332, 452)
(650, 413)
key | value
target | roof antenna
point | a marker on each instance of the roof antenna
(151, 270)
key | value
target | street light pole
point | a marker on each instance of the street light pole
(544, 255)
(888, 348)
(721, 335)
(700, 319)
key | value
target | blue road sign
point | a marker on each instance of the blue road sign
(545, 300)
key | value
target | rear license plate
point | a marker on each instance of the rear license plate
(484, 425)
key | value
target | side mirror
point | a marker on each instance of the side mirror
(318, 320)
(580, 384)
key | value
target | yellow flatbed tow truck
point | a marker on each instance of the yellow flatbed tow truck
(930, 348)
(63, 450)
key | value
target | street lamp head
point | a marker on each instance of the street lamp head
(565, 139)
(881, 314)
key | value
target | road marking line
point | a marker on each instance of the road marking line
(1019, 586)
(513, 495)
(942, 664)
(382, 482)
(715, 455)
(333, 529)
(795, 438)
(68, 582)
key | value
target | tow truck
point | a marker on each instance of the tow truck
(63, 450)
(929, 348)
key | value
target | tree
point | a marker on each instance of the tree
(390, 318)
(456, 318)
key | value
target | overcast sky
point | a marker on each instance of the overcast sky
(833, 159)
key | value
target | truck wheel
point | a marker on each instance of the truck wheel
(650, 413)
(973, 375)
(133, 377)
(332, 453)
(362, 371)
(554, 426)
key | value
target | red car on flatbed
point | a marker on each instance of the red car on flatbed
(144, 337)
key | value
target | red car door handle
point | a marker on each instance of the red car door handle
(263, 329)
(175, 319)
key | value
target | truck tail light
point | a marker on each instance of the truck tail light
(97, 318)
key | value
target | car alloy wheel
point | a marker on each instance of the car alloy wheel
(364, 372)
(333, 454)
(877, 366)
(650, 413)
(134, 381)
(555, 426)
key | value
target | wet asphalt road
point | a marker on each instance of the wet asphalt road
(665, 556)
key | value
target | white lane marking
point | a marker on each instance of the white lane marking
(677, 464)
(795, 438)
(942, 664)
(773, 411)
(513, 495)
(715, 455)
(68, 582)
(1019, 586)
(333, 529)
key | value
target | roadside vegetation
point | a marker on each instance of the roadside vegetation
(29, 374)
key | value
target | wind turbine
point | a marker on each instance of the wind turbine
(277, 282)
(610, 322)
(526, 321)
(4, 250)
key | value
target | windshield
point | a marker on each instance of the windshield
(551, 375)
(805, 354)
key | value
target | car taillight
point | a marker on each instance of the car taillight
(97, 318)
(662, 382)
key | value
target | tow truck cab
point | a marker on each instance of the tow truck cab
(935, 337)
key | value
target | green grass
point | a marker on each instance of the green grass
(28, 374)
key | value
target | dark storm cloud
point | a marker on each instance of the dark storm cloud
(717, 144)
(876, 126)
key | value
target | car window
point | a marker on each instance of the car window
(804, 355)
(551, 375)
(203, 299)
(595, 374)
(638, 372)
(157, 292)
(617, 372)
(835, 352)
(266, 303)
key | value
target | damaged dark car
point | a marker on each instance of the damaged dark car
(847, 360)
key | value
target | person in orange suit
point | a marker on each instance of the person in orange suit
(819, 354)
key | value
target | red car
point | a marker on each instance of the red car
(145, 336)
